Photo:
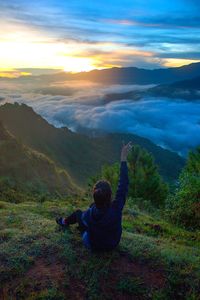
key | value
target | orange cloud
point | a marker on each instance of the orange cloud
(13, 73)
(115, 56)
(177, 62)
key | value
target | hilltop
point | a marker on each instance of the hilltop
(155, 260)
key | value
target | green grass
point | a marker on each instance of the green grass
(131, 286)
(155, 260)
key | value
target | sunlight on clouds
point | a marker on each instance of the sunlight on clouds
(46, 34)
(46, 55)
(23, 50)
(178, 62)
(12, 73)
(27, 47)
(114, 56)
(78, 64)
(32, 55)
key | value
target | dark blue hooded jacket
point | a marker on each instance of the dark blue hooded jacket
(104, 227)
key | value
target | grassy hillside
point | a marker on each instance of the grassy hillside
(25, 170)
(154, 260)
(80, 155)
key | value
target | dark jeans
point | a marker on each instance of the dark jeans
(76, 218)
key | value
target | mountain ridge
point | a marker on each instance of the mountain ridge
(26, 170)
(80, 155)
(185, 89)
(124, 75)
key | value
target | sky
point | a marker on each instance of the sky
(79, 35)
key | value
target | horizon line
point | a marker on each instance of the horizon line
(23, 72)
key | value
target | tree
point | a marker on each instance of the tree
(145, 181)
(108, 172)
(184, 205)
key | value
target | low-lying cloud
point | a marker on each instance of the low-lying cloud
(172, 124)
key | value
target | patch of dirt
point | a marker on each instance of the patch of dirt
(43, 272)
(41, 276)
(151, 277)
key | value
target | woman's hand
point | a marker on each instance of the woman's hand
(125, 151)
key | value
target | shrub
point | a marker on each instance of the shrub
(184, 206)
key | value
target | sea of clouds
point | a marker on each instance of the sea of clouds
(171, 123)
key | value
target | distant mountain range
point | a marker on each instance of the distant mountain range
(79, 156)
(186, 89)
(193, 84)
(130, 75)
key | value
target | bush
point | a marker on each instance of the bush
(184, 206)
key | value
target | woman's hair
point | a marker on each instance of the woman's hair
(102, 194)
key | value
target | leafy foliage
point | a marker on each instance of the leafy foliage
(184, 205)
(145, 181)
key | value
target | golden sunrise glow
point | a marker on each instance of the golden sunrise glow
(13, 73)
(78, 64)
(31, 55)
(22, 54)
(69, 57)
(25, 47)
(176, 62)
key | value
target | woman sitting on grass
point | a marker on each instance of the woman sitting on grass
(100, 224)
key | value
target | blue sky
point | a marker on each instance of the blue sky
(99, 34)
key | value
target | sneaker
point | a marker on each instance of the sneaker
(61, 222)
